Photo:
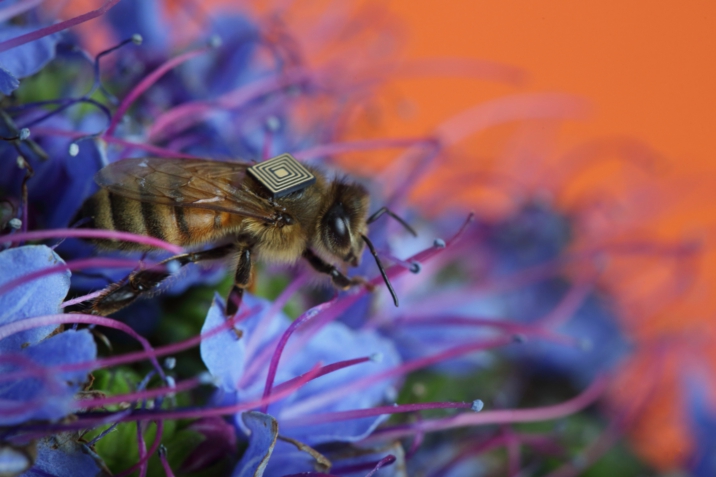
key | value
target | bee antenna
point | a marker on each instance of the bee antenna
(384, 210)
(380, 267)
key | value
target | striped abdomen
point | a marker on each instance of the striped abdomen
(178, 225)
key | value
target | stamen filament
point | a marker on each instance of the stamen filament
(91, 233)
(546, 413)
(316, 419)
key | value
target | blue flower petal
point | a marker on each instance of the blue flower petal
(145, 17)
(336, 342)
(63, 456)
(702, 415)
(264, 432)
(52, 396)
(13, 461)
(224, 354)
(27, 59)
(8, 82)
(36, 298)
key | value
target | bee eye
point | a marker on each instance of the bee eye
(336, 224)
(339, 227)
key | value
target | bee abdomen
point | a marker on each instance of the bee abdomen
(178, 225)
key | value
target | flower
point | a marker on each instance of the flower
(350, 384)
(38, 389)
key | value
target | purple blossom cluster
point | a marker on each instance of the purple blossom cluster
(335, 391)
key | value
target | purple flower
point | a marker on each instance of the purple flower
(702, 420)
(32, 387)
(513, 284)
(241, 367)
(64, 455)
(24, 60)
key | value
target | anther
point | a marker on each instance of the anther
(215, 41)
(477, 405)
(170, 362)
(439, 243)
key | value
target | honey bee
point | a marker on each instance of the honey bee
(277, 210)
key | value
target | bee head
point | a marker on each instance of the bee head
(344, 223)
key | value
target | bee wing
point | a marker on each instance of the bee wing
(185, 183)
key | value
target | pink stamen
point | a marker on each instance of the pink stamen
(505, 326)
(188, 114)
(623, 149)
(156, 150)
(297, 323)
(316, 419)
(81, 299)
(57, 27)
(130, 357)
(148, 81)
(326, 315)
(266, 154)
(510, 108)
(90, 233)
(325, 370)
(576, 404)
(142, 449)
(387, 460)
(79, 264)
(180, 386)
(374, 466)
(29, 323)
(323, 399)
(165, 464)
(159, 415)
(568, 305)
(143, 461)
(357, 146)
(254, 340)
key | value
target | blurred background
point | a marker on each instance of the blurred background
(648, 70)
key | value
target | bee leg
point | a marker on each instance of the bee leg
(337, 277)
(145, 282)
(242, 279)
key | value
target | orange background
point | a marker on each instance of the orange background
(649, 69)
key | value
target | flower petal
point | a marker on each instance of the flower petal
(264, 432)
(42, 296)
(63, 456)
(46, 394)
(27, 59)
